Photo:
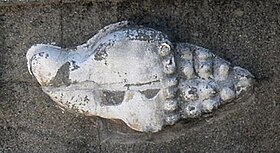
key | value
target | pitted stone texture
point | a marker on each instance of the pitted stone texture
(137, 75)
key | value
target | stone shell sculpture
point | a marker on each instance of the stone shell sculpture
(137, 75)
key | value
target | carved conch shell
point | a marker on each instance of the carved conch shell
(137, 75)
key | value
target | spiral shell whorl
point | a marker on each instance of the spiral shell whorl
(170, 84)
(206, 81)
(198, 91)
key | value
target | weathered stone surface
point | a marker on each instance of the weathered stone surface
(39, 2)
(244, 33)
(27, 2)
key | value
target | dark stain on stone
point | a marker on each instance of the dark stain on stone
(101, 53)
(145, 34)
(41, 54)
(150, 93)
(110, 98)
(62, 76)
(74, 65)
(86, 99)
(193, 90)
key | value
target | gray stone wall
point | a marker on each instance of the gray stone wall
(245, 33)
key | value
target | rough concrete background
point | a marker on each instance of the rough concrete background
(246, 33)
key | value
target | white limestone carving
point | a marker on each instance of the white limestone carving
(137, 75)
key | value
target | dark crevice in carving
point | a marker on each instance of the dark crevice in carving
(150, 93)
(109, 98)
(62, 76)
(141, 84)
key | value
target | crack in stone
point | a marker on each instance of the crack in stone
(141, 84)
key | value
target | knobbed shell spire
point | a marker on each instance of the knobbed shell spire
(137, 75)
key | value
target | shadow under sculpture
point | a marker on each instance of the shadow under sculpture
(137, 75)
